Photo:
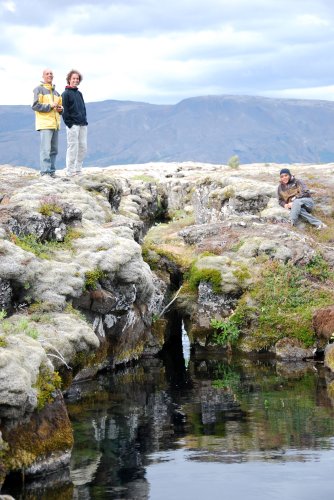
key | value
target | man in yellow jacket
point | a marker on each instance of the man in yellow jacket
(48, 107)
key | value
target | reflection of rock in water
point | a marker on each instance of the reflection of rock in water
(56, 485)
(217, 405)
(86, 472)
(132, 415)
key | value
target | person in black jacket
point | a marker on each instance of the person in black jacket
(74, 116)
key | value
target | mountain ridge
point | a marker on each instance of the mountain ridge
(208, 129)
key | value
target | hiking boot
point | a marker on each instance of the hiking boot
(321, 226)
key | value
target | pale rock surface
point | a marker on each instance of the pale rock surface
(20, 364)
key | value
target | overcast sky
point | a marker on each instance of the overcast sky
(164, 51)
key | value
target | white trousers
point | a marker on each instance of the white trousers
(76, 148)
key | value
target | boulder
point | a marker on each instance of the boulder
(292, 349)
(323, 323)
(329, 357)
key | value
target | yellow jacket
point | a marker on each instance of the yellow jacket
(46, 117)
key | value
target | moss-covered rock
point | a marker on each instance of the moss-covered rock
(42, 444)
(329, 357)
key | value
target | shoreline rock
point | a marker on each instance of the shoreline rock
(78, 293)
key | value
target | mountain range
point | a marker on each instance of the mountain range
(204, 129)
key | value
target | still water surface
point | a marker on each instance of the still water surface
(214, 429)
(200, 428)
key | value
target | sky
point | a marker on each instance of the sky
(161, 52)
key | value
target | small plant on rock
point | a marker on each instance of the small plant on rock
(50, 205)
(212, 276)
(234, 162)
(226, 331)
(93, 277)
(3, 341)
(47, 384)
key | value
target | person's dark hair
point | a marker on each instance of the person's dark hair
(72, 72)
(285, 171)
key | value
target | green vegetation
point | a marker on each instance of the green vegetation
(69, 309)
(226, 331)
(319, 268)
(225, 377)
(93, 277)
(50, 205)
(286, 300)
(40, 308)
(234, 162)
(237, 246)
(242, 273)
(212, 276)
(29, 243)
(47, 384)
(23, 325)
(44, 250)
(3, 341)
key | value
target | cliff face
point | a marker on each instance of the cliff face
(74, 289)
(76, 294)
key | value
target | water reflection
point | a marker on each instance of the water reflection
(216, 412)
(161, 429)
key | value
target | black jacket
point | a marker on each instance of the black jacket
(74, 107)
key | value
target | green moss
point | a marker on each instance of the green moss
(187, 290)
(212, 276)
(181, 260)
(178, 214)
(47, 384)
(92, 278)
(87, 360)
(150, 257)
(207, 253)
(69, 309)
(40, 437)
(72, 233)
(45, 249)
(50, 205)
(197, 334)
(123, 356)
(49, 209)
(158, 329)
(242, 273)
(3, 341)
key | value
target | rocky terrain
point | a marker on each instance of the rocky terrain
(88, 266)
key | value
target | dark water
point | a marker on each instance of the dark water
(214, 429)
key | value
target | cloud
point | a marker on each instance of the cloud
(165, 51)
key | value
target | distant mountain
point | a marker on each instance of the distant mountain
(206, 129)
